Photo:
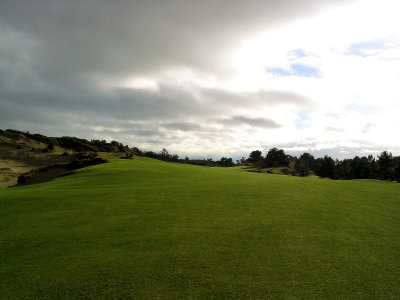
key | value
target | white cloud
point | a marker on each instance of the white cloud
(369, 79)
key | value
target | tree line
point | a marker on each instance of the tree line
(166, 156)
(384, 167)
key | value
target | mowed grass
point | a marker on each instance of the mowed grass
(148, 229)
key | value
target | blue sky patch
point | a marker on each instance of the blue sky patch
(295, 54)
(376, 44)
(279, 71)
(305, 70)
(297, 69)
(300, 124)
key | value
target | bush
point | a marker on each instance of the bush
(127, 156)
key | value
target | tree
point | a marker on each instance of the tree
(137, 151)
(326, 167)
(150, 154)
(276, 158)
(164, 155)
(386, 170)
(397, 173)
(226, 162)
(50, 147)
(343, 169)
(302, 168)
(308, 158)
(361, 167)
(304, 164)
(255, 156)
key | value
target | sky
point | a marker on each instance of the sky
(206, 78)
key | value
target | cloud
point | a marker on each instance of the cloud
(252, 122)
(334, 129)
(138, 116)
(364, 109)
(126, 38)
(183, 126)
(191, 75)
(367, 127)
(166, 103)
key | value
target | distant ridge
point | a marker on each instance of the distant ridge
(27, 158)
(40, 142)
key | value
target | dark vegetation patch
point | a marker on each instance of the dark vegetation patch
(49, 173)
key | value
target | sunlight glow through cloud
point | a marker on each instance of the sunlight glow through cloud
(348, 47)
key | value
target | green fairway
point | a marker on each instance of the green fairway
(149, 229)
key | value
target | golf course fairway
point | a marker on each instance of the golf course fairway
(146, 229)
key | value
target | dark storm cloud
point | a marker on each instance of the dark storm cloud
(120, 38)
(136, 132)
(56, 58)
(167, 103)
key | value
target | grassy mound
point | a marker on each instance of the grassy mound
(148, 229)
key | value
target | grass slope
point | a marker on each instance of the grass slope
(149, 229)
